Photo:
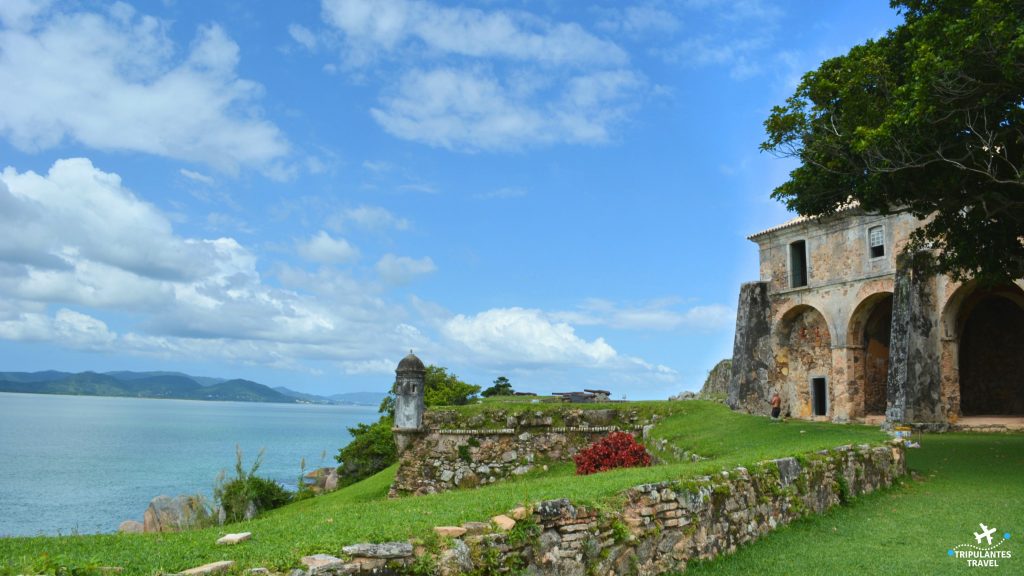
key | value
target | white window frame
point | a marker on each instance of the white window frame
(881, 233)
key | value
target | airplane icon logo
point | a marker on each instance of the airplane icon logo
(986, 533)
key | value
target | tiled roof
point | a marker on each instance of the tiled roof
(801, 219)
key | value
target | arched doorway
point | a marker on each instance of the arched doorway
(868, 336)
(991, 352)
(803, 363)
(877, 332)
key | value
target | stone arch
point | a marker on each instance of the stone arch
(868, 334)
(802, 344)
(983, 329)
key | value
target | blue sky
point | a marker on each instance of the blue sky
(300, 192)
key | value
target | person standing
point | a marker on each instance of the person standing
(776, 406)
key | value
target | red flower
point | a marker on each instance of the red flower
(616, 450)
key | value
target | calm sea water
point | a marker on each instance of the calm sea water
(83, 464)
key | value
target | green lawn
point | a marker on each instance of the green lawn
(361, 513)
(966, 480)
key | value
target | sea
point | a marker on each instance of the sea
(83, 464)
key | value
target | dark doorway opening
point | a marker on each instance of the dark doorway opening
(819, 398)
(877, 332)
(992, 356)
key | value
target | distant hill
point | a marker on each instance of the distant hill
(162, 384)
(310, 398)
(138, 385)
(359, 398)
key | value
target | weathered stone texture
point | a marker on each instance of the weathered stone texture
(440, 458)
(910, 345)
(751, 356)
(661, 527)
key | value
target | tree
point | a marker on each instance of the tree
(502, 387)
(928, 120)
(439, 389)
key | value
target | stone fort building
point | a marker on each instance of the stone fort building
(843, 330)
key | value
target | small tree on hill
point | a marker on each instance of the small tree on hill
(502, 387)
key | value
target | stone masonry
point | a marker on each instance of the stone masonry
(844, 328)
(443, 457)
(658, 528)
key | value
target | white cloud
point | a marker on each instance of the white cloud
(471, 109)
(403, 269)
(76, 213)
(523, 336)
(304, 36)
(67, 328)
(475, 79)
(656, 315)
(77, 238)
(327, 250)
(372, 27)
(112, 82)
(372, 217)
(196, 176)
(639, 19)
(377, 366)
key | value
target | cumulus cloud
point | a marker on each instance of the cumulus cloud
(495, 79)
(525, 336)
(472, 109)
(403, 269)
(76, 239)
(112, 81)
(327, 250)
(375, 26)
(68, 328)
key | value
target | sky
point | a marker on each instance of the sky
(299, 193)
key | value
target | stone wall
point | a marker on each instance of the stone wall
(442, 457)
(658, 528)
(751, 353)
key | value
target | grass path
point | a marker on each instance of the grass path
(360, 513)
(965, 480)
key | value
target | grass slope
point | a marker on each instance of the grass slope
(967, 479)
(361, 513)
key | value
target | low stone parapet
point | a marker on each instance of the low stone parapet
(660, 527)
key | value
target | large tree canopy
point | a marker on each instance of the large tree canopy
(927, 119)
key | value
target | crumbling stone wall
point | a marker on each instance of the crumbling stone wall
(443, 457)
(660, 527)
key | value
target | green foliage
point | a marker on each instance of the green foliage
(444, 389)
(926, 119)
(439, 389)
(502, 387)
(371, 450)
(235, 495)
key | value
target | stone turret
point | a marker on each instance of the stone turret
(409, 407)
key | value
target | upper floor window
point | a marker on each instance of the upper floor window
(876, 241)
(798, 264)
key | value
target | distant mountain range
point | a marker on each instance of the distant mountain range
(168, 385)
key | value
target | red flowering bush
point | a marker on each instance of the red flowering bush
(616, 450)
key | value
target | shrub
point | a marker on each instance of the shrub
(371, 450)
(247, 494)
(616, 450)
